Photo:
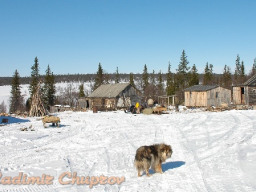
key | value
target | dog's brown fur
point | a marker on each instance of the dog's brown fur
(151, 156)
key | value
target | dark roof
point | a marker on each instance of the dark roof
(251, 81)
(201, 88)
(109, 90)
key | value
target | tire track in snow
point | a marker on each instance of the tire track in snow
(194, 155)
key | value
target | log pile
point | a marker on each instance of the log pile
(37, 107)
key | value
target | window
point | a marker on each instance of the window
(217, 94)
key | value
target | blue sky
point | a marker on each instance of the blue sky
(73, 36)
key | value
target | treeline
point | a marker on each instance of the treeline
(151, 84)
(154, 84)
(86, 78)
(66, 78)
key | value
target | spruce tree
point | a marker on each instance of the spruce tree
(237, 70)
(182, 72)
(49, 88)
(253, 70)
(181, 79)
(16, 100)
(170, 88)
(81, 90)
(152, 89)
(194, 77)
(99, 77)
(208, 74)
(226, 80)
(34, 77)
(145, 78)
(242, 75)
(117, 76)
(160, 87)
(152, 78)
(132, 80)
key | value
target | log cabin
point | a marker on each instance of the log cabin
(113, 96)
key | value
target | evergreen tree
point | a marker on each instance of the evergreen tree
(81, 90)
(145, 78)
(99, 77)
(208, 74)
(181, 78)
(237, 70)
(152, 89)
(117, 76)
(226, 80)
(49, 88)
(34, 77)
(152, 78)
(253, 70)
(242, 75)
(132, 80)
(160, 87)
(170, 88)
(194, 77)
(106, 78)
(16, 101)
(182, 72)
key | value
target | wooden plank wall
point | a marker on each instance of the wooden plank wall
(237, 96)
(195, 99)
(214, 97)
(218, 96)
(251, 95)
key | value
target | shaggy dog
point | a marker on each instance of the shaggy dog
(151, 156)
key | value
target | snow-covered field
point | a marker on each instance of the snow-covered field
(212, 151)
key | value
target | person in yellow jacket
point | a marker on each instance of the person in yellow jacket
(137, 107)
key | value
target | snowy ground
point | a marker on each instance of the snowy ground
(212, 151)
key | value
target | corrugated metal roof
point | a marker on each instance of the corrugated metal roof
(201, 87)
(109, 90)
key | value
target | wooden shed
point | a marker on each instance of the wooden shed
(245, 94)
(206, 96)
(114, 96)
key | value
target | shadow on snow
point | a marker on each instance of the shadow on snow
(172, 165)
(12, 120)
(169, 165)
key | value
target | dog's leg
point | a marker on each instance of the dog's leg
(146, 167)
(147, 173)
(139, 174)
(159, 168)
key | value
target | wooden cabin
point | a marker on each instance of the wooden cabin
(113, 96)
(206, 96)
(245, 94)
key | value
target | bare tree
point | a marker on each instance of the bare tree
(3, 108)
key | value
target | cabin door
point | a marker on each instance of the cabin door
(242, 96)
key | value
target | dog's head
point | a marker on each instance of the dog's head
(166, 151)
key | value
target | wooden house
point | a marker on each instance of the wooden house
(113, 96)
(206, 96)
(245, 94)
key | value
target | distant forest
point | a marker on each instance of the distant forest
(85, 78)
